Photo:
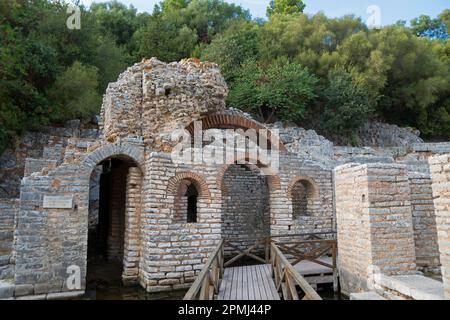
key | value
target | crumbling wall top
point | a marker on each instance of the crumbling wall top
(152, 98)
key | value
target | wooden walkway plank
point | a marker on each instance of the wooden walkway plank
(267, 283)
(271, 283)
(262, 286)
(248, 283)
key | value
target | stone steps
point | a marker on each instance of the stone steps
(370, 295)
(409, 287)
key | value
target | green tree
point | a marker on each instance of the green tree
(347, 104)
(281, 90)
(239, 43)
(285, 7)
(438, 28)
(177, 27)
(75, 93)
(116, 19)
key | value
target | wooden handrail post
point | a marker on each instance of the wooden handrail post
(267, 249)
(208, 281)
(287, 277)
(335, 271)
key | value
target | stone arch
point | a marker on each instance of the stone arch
(125, 204)
(127, 151)
(302, 193)
(197, 179)
(190, 193)
(273, 178)
(227, 121)
(313, 188)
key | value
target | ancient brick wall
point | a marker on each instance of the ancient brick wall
(245, 205)
(152, 98)
(174, 252)
(374, 223)
(440, 172)
(8, 212)
(353, 226)
(132, 232)
(424, 221)
(319, 209)
(49, 241)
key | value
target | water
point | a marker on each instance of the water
(104, 283)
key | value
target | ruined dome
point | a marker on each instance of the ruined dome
(152, 98)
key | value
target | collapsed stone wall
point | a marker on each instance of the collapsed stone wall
(153, 98)
(383, 135)
(36, 150)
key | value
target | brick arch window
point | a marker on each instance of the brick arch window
(302, 191)
(187, 206)
(189, 189)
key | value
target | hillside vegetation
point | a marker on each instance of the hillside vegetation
(332, 75)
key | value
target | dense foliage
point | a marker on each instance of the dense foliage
(332, 74)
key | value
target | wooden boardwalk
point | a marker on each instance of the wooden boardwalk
(248, 283)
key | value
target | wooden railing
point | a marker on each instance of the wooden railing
(276, 250)
(248, 252)
(287, 278)
(206, 285)
(312, 250)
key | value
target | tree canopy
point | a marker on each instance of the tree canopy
(330, 74)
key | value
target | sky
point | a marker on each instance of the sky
(391, 10)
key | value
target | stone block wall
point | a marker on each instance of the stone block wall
(49, 241)
(132, 237)
(117, 212)
(440, 173)
(174, 252)
(374, 223)
(8, 213)
(424, 221)
(353, 227)
(319, 217)
(245, 205)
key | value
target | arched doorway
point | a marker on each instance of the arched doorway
(114, 223)
(245, 206)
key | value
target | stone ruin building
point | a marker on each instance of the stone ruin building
(115, 188)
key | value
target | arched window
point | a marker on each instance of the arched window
(188, 190)
(303, 192)
(186, 202)
(299, 200)
(192, 196)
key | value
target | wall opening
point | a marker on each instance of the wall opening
(186, 203)
(110, 185)
(245, 206)
(303, 193)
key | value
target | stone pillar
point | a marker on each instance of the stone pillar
(440, 174)
(374, 223)
(424, 221)
(131, 254)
